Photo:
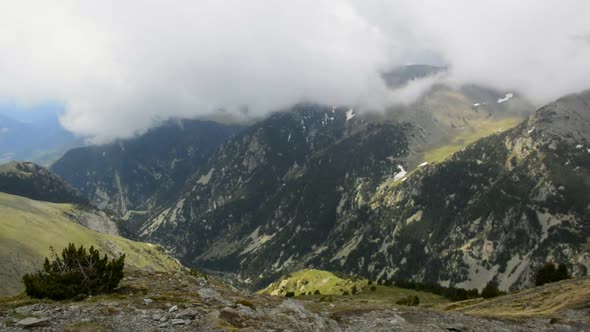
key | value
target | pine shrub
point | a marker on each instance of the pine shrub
(76, 274)
(491, 290)
(411, 301)
(549, 273)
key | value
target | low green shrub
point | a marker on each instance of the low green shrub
(76, 274)
(491, 290)
(410, 301)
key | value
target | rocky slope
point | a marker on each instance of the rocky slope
(494, 211)
(35, 182)
(29, 228)
(139, 173)
(323, 187)
(150, 300)
(285, 173)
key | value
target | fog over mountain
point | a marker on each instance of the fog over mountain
(119, 67)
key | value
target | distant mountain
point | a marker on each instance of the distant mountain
(451, 118)
(140, 173)
(327, 188)
(285, 173)
(35, 182)
(404, 74)
(36, 137)
(496, 210)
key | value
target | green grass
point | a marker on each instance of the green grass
(331, 287)
(476, 130)
(28, 228)
(309, 280)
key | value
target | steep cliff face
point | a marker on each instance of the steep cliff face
(320, 187)
(139, 173)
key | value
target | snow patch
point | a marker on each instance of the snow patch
(506, 98)
(423, 164)
(402, 173)
(350, 114)
(531, 130)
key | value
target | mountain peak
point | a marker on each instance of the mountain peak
(568, 117)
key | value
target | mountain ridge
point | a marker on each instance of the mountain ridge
(131, 175)
(296, 226)
(36, 182)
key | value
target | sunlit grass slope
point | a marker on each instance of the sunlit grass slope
(475, 130)
(28, 228)
(305, 282)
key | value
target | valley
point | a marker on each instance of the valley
(338, 166)
(449, 194)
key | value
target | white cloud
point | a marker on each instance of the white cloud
(118, 66)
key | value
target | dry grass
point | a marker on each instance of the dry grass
(546, 301)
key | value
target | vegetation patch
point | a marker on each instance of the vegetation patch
(475, 131)
(52, 226)
(550, 273)
(77, 273)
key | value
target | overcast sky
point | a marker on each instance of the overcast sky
(117, 66)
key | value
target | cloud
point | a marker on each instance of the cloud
(120, 66)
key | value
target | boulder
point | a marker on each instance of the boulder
(33, 322)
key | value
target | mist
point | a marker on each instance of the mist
(120, 67)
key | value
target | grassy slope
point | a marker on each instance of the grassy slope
(28, 228)
(476, 130)
(327, 283)
(550, 300)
